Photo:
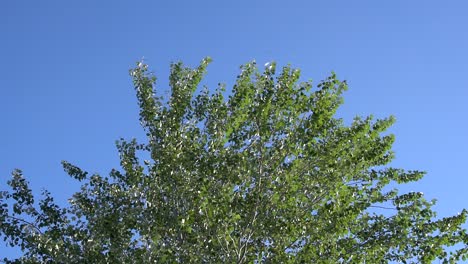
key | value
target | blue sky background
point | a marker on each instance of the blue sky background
(65, 92)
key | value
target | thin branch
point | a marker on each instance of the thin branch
(26, 222)
(383, 207)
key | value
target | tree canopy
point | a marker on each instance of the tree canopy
(263, 172)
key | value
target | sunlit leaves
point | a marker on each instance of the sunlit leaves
(263, 172)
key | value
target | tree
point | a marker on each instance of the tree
(268, 174)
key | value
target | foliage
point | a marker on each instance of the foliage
(268, 174)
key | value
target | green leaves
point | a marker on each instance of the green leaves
(74, 171)
(265, 174)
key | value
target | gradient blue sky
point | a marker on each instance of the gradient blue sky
(65, 92)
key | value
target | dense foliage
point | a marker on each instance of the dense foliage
(264, 172)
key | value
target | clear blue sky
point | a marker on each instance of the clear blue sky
(65, 92)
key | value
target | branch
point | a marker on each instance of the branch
(26, 222)
(382, 207)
